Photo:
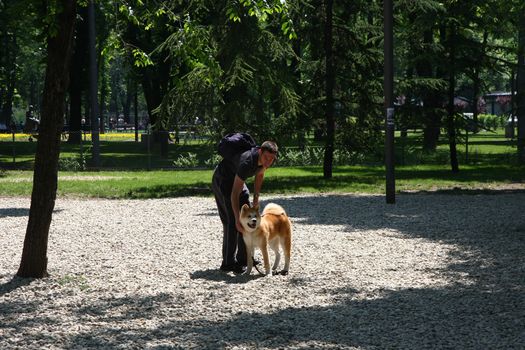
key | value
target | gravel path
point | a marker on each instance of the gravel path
(432, 271)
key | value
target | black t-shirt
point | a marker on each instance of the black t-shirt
(244, 164)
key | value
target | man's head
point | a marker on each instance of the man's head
(268, 153)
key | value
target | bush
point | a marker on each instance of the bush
(491, 121)
(213, 161)
(188, 161)
(315, 156)
(72, 164)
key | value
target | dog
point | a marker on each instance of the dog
(272, 228)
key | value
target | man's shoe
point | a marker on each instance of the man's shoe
(235, 268)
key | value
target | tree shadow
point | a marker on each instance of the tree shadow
(14, 212)
(15, 283)
(488, 233)
(201, 189)
(452, 317)
(409, 319)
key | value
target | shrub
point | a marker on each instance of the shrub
(72, 163)
(186, 161)
(213, 161)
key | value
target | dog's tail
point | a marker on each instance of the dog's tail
(273, 209)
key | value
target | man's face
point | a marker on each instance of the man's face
(267, 159)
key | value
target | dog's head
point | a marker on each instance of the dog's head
(250, 218)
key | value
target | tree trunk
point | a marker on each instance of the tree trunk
(302, 117)
(7, 102)
(34, 254)
(451, 125)
(431, 99)
(155, 85)
(103, 94)
(126, 102)
(329, 91)
(520, 90)
(78, 79)
(477, 82)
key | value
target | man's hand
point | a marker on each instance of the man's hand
(239, 227)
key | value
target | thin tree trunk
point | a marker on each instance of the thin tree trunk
(451, 125)
(520, 90)
(329, 91)
(78, 79)
(431, 99)
(477, 81)
(103, 93)
(7, 105)
(34, 254)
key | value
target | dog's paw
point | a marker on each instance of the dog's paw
(284, 272)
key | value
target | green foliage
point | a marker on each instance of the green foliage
(77, 163)
(213, 161)
(188, 161)
(492, 122)
(259, 66)
(141, 59)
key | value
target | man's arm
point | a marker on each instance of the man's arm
(257, 187)
(238, 185)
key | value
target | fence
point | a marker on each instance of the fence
(128, 150)
(119, 149)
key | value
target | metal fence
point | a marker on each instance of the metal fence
(125, 149)
(119, 149)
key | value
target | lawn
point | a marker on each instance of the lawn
(346, 179)
(491, 165)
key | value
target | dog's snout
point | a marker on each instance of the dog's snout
(254, 220)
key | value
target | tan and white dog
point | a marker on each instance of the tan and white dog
(272, 228)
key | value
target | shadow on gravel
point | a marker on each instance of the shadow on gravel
(14, 212)
(489, 231)
(486, 313)
(459, 318)
(466, 191)
(15, 283)
(410, 319)
(221, 276)
(202, 189)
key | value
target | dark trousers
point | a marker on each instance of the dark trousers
(233, 247)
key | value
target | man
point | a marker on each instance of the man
(231, 193)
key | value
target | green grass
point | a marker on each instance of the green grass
(346, 179)
(114, 154)
(491, 164)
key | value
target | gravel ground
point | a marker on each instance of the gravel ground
(432, 271)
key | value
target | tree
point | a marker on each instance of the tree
(520, 91)
(329, 90)
(19, 58)
(451, 108)
(78, 80)
(59, 47)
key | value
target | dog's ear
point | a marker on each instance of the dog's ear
(245, 207)
(256, 207)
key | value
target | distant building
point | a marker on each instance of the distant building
(498, 103)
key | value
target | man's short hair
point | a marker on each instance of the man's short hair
(270, 146)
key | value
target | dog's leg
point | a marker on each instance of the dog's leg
(249, 253)
(287, 252)
(274, 244)
(266, 258)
